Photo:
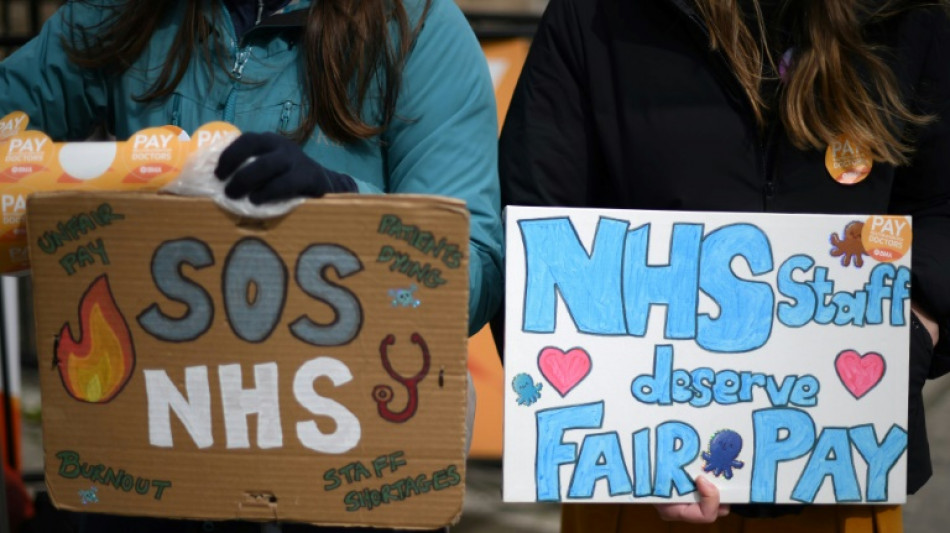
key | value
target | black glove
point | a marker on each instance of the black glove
(281, 170)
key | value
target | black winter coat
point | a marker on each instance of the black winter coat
(621, 104)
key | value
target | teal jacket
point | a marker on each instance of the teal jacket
(443, 141)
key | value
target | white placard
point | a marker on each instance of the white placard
(767, 352)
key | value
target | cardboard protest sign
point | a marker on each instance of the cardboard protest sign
(308, 368)
(766, 352)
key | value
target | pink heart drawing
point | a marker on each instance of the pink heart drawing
(859, 373)
(564, 370)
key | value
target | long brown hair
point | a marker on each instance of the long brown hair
(838, 83)
(347, 52)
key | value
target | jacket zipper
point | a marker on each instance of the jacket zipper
(176, 110)
(240, 60)
(766, 146)
(241, 55)
(285, 115)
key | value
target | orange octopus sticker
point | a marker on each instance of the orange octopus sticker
(847, 162)
(886, 238)
(849, 246)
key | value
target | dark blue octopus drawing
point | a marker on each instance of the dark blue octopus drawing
(724, 447)
(528, 391)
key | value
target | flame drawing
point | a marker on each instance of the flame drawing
(96, 367)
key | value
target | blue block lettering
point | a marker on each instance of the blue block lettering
(673, 284)
(657, 387)
(805, 391)
(727, 385)
(702, 388)
(800, 313)
(600, 458)
(642, 477)
(851, 307)
(880, 458)
(878, 290)
(745, 317)
(823, 288)
(830, 458)
(552, 451)
(677, 445)
(771, 448)
(556, 262)
(901, 292)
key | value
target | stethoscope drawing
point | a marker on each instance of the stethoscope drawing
(383, 394)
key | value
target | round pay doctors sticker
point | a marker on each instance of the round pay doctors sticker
(886, 238)
(847, 162)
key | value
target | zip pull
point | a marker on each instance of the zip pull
(285, 115)
(260, 12)
(240, 59)
(176, 110)
(230, 106)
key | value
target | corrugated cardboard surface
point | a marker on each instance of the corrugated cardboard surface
(420, 481)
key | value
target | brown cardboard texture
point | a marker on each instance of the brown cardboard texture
(199, 365)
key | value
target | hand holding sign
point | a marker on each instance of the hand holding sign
(705, 511)
(267, 167)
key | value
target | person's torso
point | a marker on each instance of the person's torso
(256, 84)
(675, 130)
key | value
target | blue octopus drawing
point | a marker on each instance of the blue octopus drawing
(528, 391)
(724, 447)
